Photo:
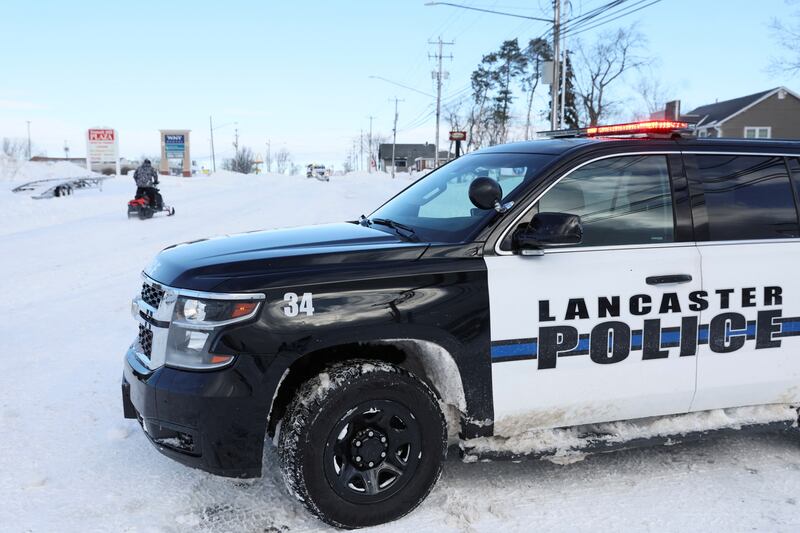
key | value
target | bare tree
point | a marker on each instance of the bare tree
(602, 64)
(243, 161)
(788, 38)
(14, 147)
(283, 160)
(653, 92)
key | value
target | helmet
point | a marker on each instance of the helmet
(146, 162)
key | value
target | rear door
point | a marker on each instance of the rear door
(591, 333)
(746, 220)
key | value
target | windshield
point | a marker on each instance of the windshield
(438, 208)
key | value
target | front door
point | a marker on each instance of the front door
(592, 333)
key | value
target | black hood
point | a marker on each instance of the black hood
(253, 261)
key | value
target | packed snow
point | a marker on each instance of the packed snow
(22, 171)
(71, 462)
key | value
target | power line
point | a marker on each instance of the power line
(488, 11)
(605, 20)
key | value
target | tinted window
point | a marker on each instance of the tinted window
(621, 200)
(746, 197)
(794, 169)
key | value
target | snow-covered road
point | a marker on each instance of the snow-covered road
(70, 462)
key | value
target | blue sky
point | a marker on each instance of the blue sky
(297, 72)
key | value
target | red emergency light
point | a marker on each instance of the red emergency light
(648, 126)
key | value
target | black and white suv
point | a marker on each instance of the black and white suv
(503, 300)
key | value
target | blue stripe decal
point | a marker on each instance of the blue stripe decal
(636, 341)
(670, 336)
(514, 350)
(790, 327)
(528, 348)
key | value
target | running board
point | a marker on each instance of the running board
(497, 448)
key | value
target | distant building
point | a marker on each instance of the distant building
(772, 114)
(407, 154)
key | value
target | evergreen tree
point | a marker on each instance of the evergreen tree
(510, 65)
(536, 53)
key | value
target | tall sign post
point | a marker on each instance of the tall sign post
(175, 146)
(102, 148)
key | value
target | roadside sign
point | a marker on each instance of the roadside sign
(174, 145)
(102, 148)
(458, 135)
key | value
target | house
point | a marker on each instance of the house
(407, 154)
(772, 114)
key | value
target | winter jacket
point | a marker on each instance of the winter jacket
(145, 176)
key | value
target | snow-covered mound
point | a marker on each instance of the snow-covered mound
(22, 171)
(71, 463)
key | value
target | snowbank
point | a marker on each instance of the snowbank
(22, 171)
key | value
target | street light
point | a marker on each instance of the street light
(212, 128)
(29, 139)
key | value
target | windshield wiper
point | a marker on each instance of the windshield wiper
(397, 226)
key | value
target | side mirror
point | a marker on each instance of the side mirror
(547, 229)
(485, 193)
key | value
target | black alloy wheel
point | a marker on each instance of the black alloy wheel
(362, 443)
(373, 451)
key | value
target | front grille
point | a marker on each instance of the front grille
(145, 340)
(152, 295)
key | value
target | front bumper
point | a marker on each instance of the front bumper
(214, 421)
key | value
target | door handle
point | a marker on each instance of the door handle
(674, 278)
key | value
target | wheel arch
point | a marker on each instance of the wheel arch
(427, 360)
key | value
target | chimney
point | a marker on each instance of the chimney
(672, 110)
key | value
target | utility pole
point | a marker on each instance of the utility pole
(29, 139)
(370, 144)
(361, 149)
(213, 157)
(394, 135)
(563, 89)
(556, 64)
(236, 140)
(437, 74)
(66, 150)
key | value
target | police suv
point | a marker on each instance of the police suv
(558, 283)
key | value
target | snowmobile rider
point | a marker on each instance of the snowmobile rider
(146, 179)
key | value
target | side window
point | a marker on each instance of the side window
(746, 197)
(621, 200)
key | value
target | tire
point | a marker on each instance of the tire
(362, 443)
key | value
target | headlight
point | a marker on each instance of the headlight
(209, 314)
(194, 325)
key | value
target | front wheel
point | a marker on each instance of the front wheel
(362, 443)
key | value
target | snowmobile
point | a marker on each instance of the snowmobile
(142, 207)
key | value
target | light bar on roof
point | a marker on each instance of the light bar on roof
(648, 126)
